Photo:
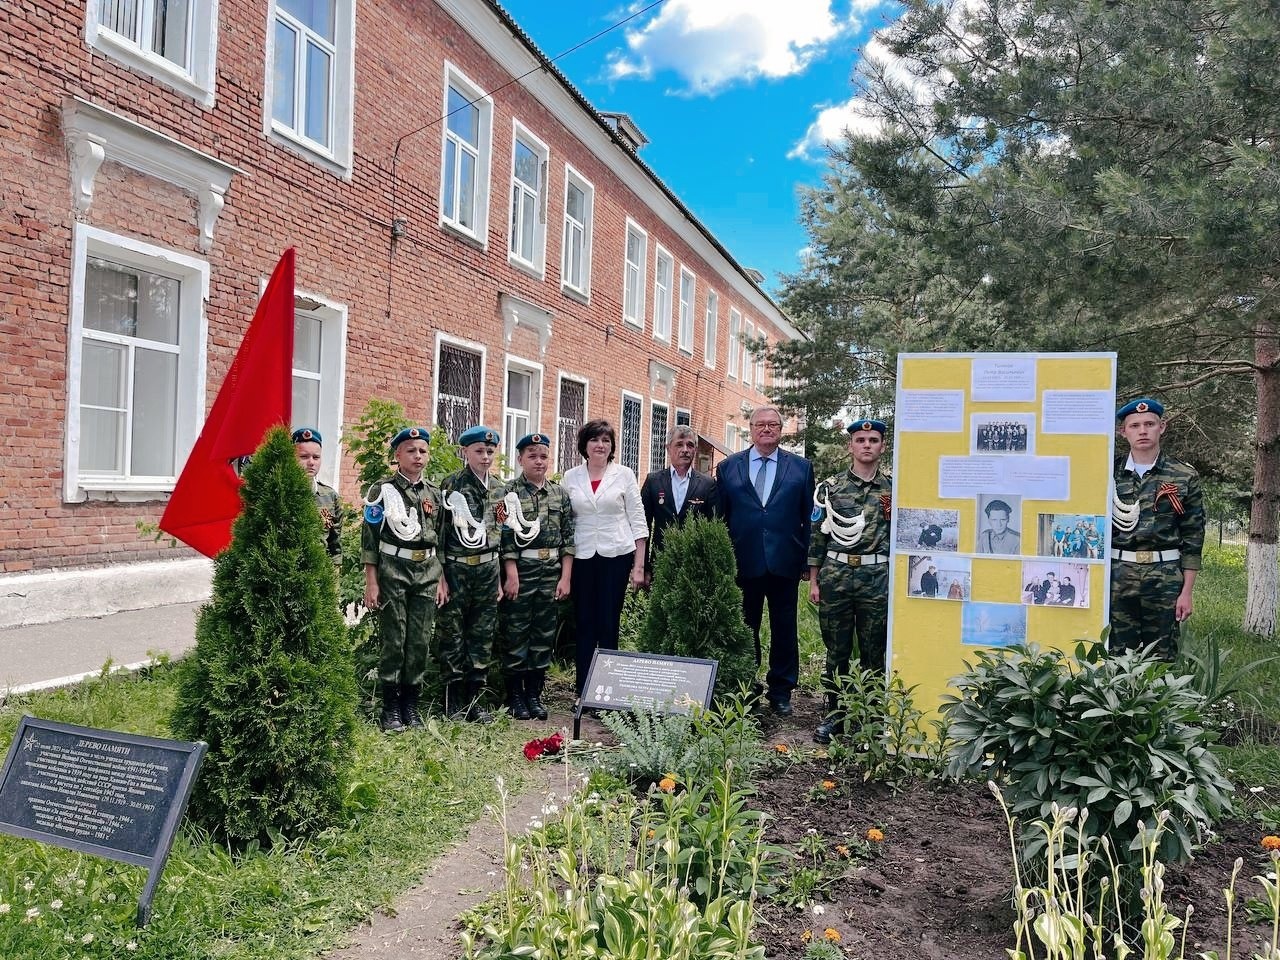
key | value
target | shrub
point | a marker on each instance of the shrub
(696, 605)
(885, 734)
(269, 685)
(1119, 736)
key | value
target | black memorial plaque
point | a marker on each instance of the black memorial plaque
(626, 680)
(115, 795)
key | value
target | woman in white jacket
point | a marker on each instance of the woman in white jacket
(609, 540)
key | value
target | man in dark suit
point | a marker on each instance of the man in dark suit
(766, 498)
(676, 491)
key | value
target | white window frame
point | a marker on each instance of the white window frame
(748, 332)
(337, 156)
(662, 444)
(731, 437)
(538, 263)
(635, 317)
(561, 377)
(193, 274)
(333, 363)
(735, 342)
(760, 365)
(640, 447)
(453, 77)
(471, 346)
(572, 176)
(663, 297)
(196, 80)
(711, 329)
(685, 323)
(688, 414)
(520, 365)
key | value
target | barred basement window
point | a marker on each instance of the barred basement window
(573, 411)
(629, 442)
(458, 395)
(657, 436)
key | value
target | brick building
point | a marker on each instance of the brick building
(474, 240)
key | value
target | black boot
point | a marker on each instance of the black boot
(475, 712)
(455, 701)
(533, 683)
(409, 714)
(516, 704)
(831, 723)
(390, 721)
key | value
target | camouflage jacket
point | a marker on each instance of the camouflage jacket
(849, 495)
(330, 506)
(1172, 516)
(551, 507)
(422, 497)
(482, 501)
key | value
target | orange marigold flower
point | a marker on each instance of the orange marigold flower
(781, 748)
(651, 833)
(875, 835)
(832, 934)
(828, 784)
(1271, 842)
(666, 784)
(806, 936)
(842, 850)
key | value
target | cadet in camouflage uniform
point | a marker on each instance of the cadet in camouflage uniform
(537, 559)
(470, 544)
(307, 446)
(849, 563)
(1157, 518)
(402, 516)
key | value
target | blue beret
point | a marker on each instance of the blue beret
(878, 426)
(411, 433)
(307, 435)
(1141, 405)
(529, 439)
(478, 435)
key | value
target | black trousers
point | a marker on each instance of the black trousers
(784, 649)
(599, 587)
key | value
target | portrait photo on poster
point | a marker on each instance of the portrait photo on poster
(1054, 583)
(1002, 433)
(944, 577)
(993, 624)
(1079, 536)
(999, 521)
(928, 529)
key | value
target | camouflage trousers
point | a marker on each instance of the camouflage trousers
(407, 611)
(532, 619)
(1143, 601)
(469, 621)
(855, 600)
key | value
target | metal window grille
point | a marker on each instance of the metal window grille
(458, 400)
(684, 418)
(573, 410)
(657, 436)
(630, 441)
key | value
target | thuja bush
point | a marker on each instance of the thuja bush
(1120, 736)
(696, 605)
(269, 684)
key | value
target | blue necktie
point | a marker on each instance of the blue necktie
(762, 476)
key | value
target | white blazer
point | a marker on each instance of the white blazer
(610, 520)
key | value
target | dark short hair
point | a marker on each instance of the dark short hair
(597, 428)
(997, 505)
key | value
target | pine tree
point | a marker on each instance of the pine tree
(269, 685)
(695, 608)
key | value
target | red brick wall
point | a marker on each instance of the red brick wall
(438, 281)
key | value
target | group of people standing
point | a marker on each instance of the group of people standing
(476, 541)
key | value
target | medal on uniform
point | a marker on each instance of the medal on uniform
(662, 497)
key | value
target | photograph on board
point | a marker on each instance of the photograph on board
(999, 516)
(1002, 433)
(943, 577)
(1078, 536)
(1052, 583)
(993, 624)
(927, 529)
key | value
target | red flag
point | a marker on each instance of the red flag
(257, 395)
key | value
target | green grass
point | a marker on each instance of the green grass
(411, 796)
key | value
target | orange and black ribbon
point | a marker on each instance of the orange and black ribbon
(886, 504)
(1170, 490)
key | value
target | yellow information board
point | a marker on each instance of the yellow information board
(1001, 529)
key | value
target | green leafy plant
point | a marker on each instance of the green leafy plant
(885, 734)
(1213, 678)
(635, 610)
(690, 747)
(1119, 735)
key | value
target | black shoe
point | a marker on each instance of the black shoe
(390, 721)
(455, 701)
(409, 714)
(516, 704)
(781, 706)
(533, 683)
(475, 712)
(826, 730)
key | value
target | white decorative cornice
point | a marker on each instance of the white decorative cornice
(94, 135)
(521, 313)
(662, 375)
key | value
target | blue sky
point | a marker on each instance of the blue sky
(737, 98)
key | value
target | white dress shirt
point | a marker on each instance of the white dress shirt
(610, 519)
(679, 488)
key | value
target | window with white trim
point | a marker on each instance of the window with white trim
(663, 276)
(711, 330)
(735, 345)
(136, 365)
(571, 414)
(172, 41)
(528, 243)
(748, 332)
(579, 210)
(683, 417)
(760, 366)
(688, 289)
(520, 409)
(459, 376)
(319, 331)
(310, 83)
(633, 270)
(468, 134)
(658, 418)
(731, 438)
(629, 435)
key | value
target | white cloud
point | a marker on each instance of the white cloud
(714, 43)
